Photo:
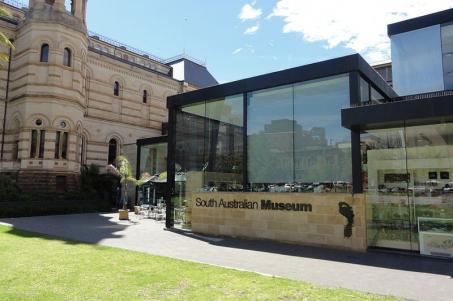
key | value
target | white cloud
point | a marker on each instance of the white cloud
(360, 25)
(252, 30)
(248, 12)
(237, 51)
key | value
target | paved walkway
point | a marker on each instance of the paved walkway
(410, 277)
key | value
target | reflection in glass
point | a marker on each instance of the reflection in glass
(417, 61)
(364, 90)
(447, 55)
(153, 158)
(209, 151)
(322, 147)
(295, 139)
(375, 95)
(270, 134)
(385, 182)
(407, 176)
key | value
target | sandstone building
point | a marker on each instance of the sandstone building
(70, 97)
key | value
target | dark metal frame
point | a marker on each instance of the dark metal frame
(420, 22)
(435, 109)
(354, 65)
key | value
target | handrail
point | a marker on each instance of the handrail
(187, 57)
(412, 97)
(123, 46)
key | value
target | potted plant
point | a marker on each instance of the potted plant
(123, 170)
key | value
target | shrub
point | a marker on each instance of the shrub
(9, 191)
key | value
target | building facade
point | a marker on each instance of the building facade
(327, 154)
(70, 97)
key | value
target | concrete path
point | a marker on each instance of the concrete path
(410, 277)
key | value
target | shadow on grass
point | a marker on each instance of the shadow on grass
(376, 258)
(92, 227)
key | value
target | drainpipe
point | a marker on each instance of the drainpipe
(6, 104)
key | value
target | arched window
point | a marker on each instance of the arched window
(67, 57)
(113, 148)
(38, 138)
(61, 142)
(116, 89)
(45, 53)
(83, 148)
(145, 96)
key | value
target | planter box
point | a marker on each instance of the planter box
(123, 214)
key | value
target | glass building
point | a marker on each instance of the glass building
(333, 128)
(407, 142)
(279, 132)
(422, 54)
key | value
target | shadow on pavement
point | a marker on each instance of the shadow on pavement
(376, 258)
(93, 230)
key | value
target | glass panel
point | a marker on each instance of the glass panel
(64, 146)
(385, 182)
(430, 164)
(417, 61)
(67, 57)
(447, 55)
(190, 142)
(112, 151)
(322, 147)
(44, 53)
(153, 159)
(270, 141)
(209, 151)
(42, 141)
(375, 95)
(34, 143)
(364, 90)
(57, 145)
(225, 120)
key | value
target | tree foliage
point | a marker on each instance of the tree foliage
(4, 40)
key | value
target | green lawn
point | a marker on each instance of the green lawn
(36, 268)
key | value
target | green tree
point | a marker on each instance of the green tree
(4, 41)
(124, 171)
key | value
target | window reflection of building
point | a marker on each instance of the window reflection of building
(209, 144)
(295, 135)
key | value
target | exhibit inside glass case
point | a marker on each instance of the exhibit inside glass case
(407, 175)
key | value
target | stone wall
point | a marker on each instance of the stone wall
(216, 213)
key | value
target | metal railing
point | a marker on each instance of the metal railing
(126, 47)
(187, 57)
(24, 4)
(412, 97)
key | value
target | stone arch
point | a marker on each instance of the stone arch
(114, 145)
(70, 124)
(30, 122)
(38, 42)
(115, 135)
(15, 121)
(120, 80)
(149, 92)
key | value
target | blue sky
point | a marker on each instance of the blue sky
(282, 33)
